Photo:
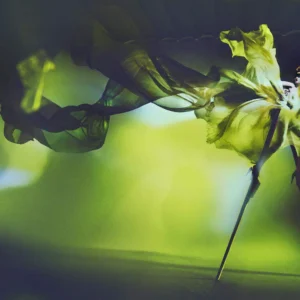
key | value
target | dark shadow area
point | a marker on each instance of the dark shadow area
(113, 275)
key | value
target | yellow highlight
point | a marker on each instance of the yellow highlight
(32, 72)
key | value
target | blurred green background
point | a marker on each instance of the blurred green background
(155, 186)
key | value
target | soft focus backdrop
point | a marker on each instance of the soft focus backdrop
(155, 186)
